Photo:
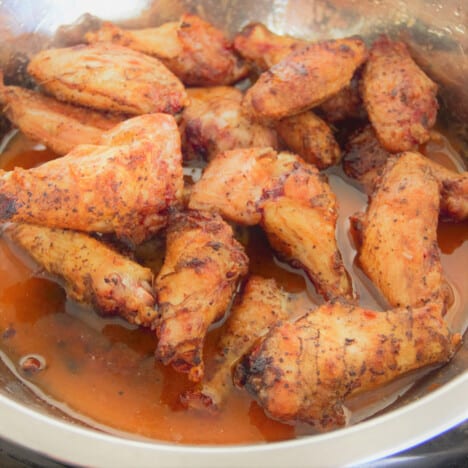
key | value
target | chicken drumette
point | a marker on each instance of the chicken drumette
(400, 99)
(261, 305)
(397, 236)
(195, 286)
(292, 202)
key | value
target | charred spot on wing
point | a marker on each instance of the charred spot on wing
(8, 207)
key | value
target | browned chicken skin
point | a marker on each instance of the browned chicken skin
(311, 138)
(365, 160)
(307, 370)
(57, 125)
(125, 185)
(262, 304)
(213, 123)
(93, 273)
(194, 50)
(195, 285)
(397, 247)
(304, 79)
(265, 49)
(108, 77)
(292, 202)
(400, 99)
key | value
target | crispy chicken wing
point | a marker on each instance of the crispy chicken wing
(289, 198)
(93, 273)
(397, 236)
(307, 370)
(108, 77)
(124, 186)
(263, 47)
(195, 286)
(57, 125)
(194, 50)
(400, 99)
(311, 138)
(262, 304)
(213, 122)
(365, 160)
(304, 79)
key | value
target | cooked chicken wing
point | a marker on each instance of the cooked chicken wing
(365, 158)
(397, 245)
(194, 50)
(400, 99)
(263, 47)
(124, 186)
(57, 125)
(307, 370)
(365, 161)
(213, 122)
(93, 273)
(289, 198)
(262, 304)
(311, 138)
(108, 77)
(195, 286)
(304, 79)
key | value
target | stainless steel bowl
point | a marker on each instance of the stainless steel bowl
(436, 34)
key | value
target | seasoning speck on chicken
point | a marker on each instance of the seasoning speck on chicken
(193, 49)
(124, 186)
(399, 97)
(307, 370)
(195, 286)
(93, 273)
(304, 79)
(108, 77)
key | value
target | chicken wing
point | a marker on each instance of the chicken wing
(213, 123)
(397, 245)
(125, 186)
(304, 79)
(262, 304)
(195, 286)
(400, 99)
(289, 198)
(263, 47)
(365, 160)
(93, 273)
(108, 77)
(194, 50)
(311, 138)
(57, 125)
(308, 370)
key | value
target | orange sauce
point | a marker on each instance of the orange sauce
(104, 371)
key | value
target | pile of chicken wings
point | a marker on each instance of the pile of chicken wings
(128, 109)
